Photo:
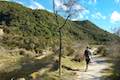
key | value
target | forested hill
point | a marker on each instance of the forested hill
(36, 29)
(96, 33)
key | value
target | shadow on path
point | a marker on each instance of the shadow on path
(29, 67)
(95, 69)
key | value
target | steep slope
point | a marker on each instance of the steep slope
(96, 33)
(37, 29)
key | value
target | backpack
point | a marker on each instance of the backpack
(87, 53)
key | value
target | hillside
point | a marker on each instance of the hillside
(29, 40)
(37, 28)
(96, 33)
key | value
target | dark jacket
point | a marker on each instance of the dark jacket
(87, 53)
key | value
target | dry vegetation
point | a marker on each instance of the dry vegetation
(19, 63)
(115, 55)
(26, 40)
(112, 50)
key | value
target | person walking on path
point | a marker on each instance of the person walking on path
(87, 54)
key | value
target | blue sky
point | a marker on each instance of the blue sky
(103, 13)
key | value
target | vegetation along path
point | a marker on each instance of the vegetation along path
(98, 68)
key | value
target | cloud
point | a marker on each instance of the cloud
(72, 8)
(115, 17)
(82, 15)
(36, 5)
(32, 4)
(86, 12)
(79, 17)
(59, 4)
(117, 1)
(98, 15)
(92, 1)
(17, 1)
(80, 8)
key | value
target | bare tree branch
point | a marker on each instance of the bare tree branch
(65, 22)
(69, 8)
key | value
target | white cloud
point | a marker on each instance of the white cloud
(32, 4)
(36, 5)
(92, 1)
(115, 17)
(82, 15)
(18, 1)
(98, 15)
(117, 1)
(78, 7)
(76, 10)
(86, 12)
(59, 4)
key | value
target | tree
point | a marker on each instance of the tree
(68, 9)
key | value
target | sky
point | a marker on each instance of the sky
(103, 13)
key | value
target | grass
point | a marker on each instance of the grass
(67, 61)
(19, 65)
(115, 69)
(9, 63)
(66, 74)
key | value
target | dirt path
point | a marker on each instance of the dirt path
(96, 69)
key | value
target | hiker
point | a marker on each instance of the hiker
(87, 54)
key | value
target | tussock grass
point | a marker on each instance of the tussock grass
(66, 74)
(67, 61)
(45, 68)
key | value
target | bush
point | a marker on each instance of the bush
(115, 55)
(22, 52)
(78, 57)
(102, 50)
(70, 51)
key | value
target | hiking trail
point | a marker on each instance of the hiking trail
(96, 69)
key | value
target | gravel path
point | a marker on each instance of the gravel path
(96, 69)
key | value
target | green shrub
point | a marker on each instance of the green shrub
(69, 51)
(102, 50)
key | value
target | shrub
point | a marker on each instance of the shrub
(70, 51)
(102, 50)
(22, 52)
(78, 57)
(115, 55)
